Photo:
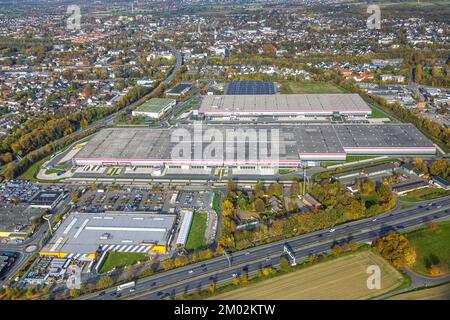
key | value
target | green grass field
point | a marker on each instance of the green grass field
(424, 194)
(121, 259)
(431, 246)
(196, 237)
(32, 171)
(216, 202)
(326, 164)
(376, 113)
(309, 87)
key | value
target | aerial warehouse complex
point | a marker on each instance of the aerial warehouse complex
(296, 143)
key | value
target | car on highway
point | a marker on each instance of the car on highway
(190, 271)
(234, 275)
(373, 220)
(332, 230)
(102, 293)
(132, 290)
(247, 253)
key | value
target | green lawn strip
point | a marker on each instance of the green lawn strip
(196, 237)
(430, 245)
(216, 202)
(424, 194)
(31, 173)
(366, 165)
(406, 206)
(121, 259)
(326, 164)
(377, 113)
(51, 171)
(305, 87)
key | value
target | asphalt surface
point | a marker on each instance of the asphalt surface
(34, 240)
(200, 275)
(417, 281)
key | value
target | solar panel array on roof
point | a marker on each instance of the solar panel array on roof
(250, 87)
(180, 88)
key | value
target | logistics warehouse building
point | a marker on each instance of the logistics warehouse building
(154, 108)
(155, 147)
(81, 235)
(284, 105)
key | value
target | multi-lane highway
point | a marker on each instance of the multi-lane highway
(200, 275)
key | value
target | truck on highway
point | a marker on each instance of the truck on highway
(127, 285)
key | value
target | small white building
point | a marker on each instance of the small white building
(392, 77)
(154, 108)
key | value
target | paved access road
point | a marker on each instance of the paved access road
(183, 280)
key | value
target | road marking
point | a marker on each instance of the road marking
(121, 248)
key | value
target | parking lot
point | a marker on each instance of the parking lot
(16, 191)
(142, 199)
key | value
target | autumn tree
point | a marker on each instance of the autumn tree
(336, 250)
(168, 264)
(84, 123)
(260, 206)
(104, 282)
(181, 261)
(212, 287)
(396, 248)
(227, 208)
(284, 264)
(418, 73)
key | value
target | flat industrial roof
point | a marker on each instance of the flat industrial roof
(283, 104)
(180, 88)
(45, 197)
(295, 141)
(155, 105)
(81, 233)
